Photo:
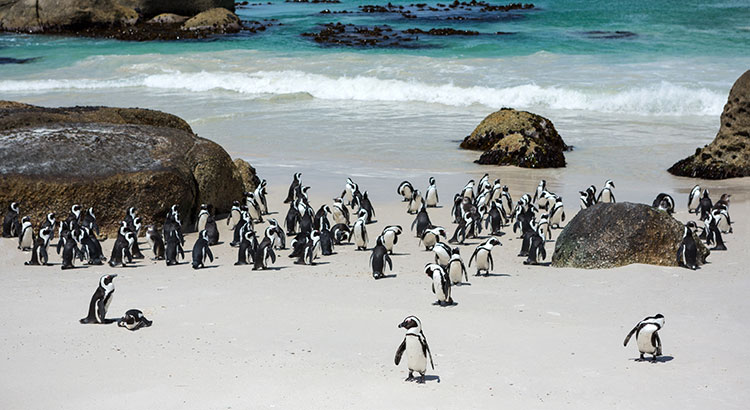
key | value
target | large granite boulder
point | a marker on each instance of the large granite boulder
(511, 137)
(611, 235)
(41, 15)
(151, 8)
(110, 159)
(218, 20)
(728, 155)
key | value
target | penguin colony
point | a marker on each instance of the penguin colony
(478, 206)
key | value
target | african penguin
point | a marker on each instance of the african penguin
(431, 236)
(704, 205)
(263, 252)
(134, 320)
(483, 255)
(378, 258)
(441, 283)
(416, 348)
(26, 237)
(390, 236)
(11, 224)
(341, 233)
(339, 212)
(203, 215)
(360, 230)
(536, 252)
(100, 301)
(70, 250)
(201, 251)
(687, 253)
(39, 252)
(405, 189)
(647, 336)
(89, 221)
(422, 222)
(557, 215)
(235, 214)
(431, 195)
(442, 253)
(293, 187)
(155, 241)
(246, 253)
(173, 248)
(415, 203)
(606, 195)
(693, 199)
(456, 268)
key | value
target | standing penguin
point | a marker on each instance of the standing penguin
(606, 194)
(339, 212)
(468, 190)
(70, 250)
(713, 234)
(539, 189)
(11, 225)
(687, 253)
(495, 218)
(201, 251)
(89, 221)
(422, 222)
(212, 231)
(483, 255)
(100, 301)
(704, 205)
(360, 231)
(365, 204)
(693, 199)
(26, 237)
(557, 215)
(416, 348)
(50, 222)
(293, 187)
(121, 248)
(405, 189)
(442, 253)
(647, 336)
(415, 203)
(134, 320)
(39, 252)
(90, 246)
(155, 241)
(247, 249)
(390, 236)
(260, 196)
(234, 215)
(441, 283)
(431, 236)
(203, 215)
(311, 249)
(431, 196)
(378, 258)
(264, 252)
(456, 268)
(173, 249)
(536, 252)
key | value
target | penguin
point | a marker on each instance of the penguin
(136, 226)
(26, 236)
(292, 219)
(431, 195)
(549, 199)
(390, 236)
(415, 203)
(441, 283)
(431, 236)
(506, 200)
(422, 222)
(306, 224)
(11, 225)
(89, 221)
(351, 191)
(416, 348)
(468, 190)
(443, 253)
(260, 196)
(301, 193)
(483, 200)
(298, 244)
(687, 253)
(606, 195)
(497, 190)
(212, 231)
(647, 336)
(326, 242)
(248, 246)
(100, 301)
(252, 207)
(90, 246)
(360, 230)
(173, 249)
(130, 215)
(406, 190)
(134, 320)
(539, 189)
(50, 222)
(70, 250)
(243, 225)
(339, 212)
(496, 218)
(484, 184)
(172, 224)
(463, 230)
(723, 202)
(704, 205)
(664, 202)
(456, 210)
(557, 215)
(39, 252)
(121, 251)
(723, 222)
(311, 249)
(542, 226)
(536, 252)
(321, 222)
(694, 199)
(201, 251)
(203, 215)
(74, 217)
(235, 215)
(456, 268)
(279, 241)
(293, 187)
(378, 258)
(263, 252)
(483, 255)
(587, 200)
(713, 234)
(367, 206)
(341, 233)
(155, 241)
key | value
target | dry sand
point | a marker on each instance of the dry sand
(308, 337)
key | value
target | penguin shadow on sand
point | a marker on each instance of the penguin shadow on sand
(657, 360)
(445, 305)
(491, 275)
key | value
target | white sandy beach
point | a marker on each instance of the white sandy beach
(324, 337)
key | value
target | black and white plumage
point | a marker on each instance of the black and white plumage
(456, 268)
(431, 195)
(134, 320)
(311, 249)
(172, 223)
(364, 203)
(121, 249)
(263, 253)
(416, 202)
(351, 191)
(341, 233)
(89, 221)
(713, 234)
(235, 215)
(173, 249)
(694, 199)
(495, 219)
(201, 251)
(607, 195)
(557, 215)
(647, 336)
(405, 189)
(587, 200)
(293, 187)
(26, 235)
(687, 253)
(441, 283)
(536, 252)
(260, 196)
(327, 243)
(246, 253)
(340, 212)
(50, 222)
(664, 202)
(468, 190)
(100, 301)
(704, 205)
(39, 252)
(483, 255)
(11, 222)
(360, 230)
(442, 253)
(253, 208)
(431, 236)
(538, 193)
(155, 242)
(390, 236)
(379, 258)
(320, 221)
(203, 215)
(90, 246)
(723, 221)
(422, 222)
(416, 348)
(70, 250)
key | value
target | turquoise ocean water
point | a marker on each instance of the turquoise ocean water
(631, 105)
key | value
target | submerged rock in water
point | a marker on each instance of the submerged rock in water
(511, 137)
(609, 235)
(473, 10)
(110, 159)
(728, 155)
(609, 35)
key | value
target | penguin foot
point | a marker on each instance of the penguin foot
(421, 379)
(409, 378)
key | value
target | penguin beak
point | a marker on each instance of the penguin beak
(401, 325)
(114, 275)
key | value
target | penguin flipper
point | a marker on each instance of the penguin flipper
(209, 254)
(388, 260)
(492, 263)
(426, 350)
(656, 342)
(473, 255)
(627, 338)
(272, 254)
(680, 252)
(400, 351)
(542, 252)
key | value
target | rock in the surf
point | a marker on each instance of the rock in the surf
(609, 235)
(728, 155)
(110, 159)
(217, 20)
(43, 15)
(511, 137)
